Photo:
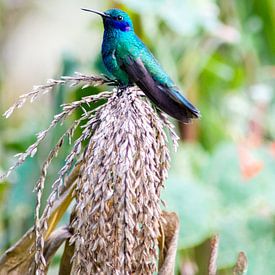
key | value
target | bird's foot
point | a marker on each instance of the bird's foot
(110, 81)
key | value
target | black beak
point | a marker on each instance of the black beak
(104, 15)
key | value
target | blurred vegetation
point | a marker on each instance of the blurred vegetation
(222, 177)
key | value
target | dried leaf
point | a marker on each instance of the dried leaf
(241, 265)
(168, 242)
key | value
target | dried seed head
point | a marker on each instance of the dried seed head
(118, 195)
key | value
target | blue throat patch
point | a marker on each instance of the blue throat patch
(120, 25)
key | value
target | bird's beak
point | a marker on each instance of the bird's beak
(104, 15)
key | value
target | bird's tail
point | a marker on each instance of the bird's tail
(188, 110)
(172, 102)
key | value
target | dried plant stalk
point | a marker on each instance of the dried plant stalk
(241, 265)
(168, 241)
(118, 194)
(214, 245)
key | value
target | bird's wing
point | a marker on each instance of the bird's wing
(166, 97)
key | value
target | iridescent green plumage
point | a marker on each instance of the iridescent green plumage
(129, 61)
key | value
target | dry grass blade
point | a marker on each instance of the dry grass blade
(241, 265)
(16, 259)
(55, 240)
(53, 153)
(33, 94)
(65, 266)
(168, 242)
(38, 90)
(214, 245)
(68, 109)
(89, 80)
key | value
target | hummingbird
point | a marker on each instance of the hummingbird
(127, 59)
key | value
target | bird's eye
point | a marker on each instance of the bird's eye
(119, 18)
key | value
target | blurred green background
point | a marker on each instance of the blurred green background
(222, 53)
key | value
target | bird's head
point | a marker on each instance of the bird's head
(115, 19)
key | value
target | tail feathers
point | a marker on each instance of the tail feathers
(176, 105)
(191, 110)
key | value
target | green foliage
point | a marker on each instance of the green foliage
(189, 196)
(210, 195)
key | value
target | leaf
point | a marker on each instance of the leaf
(168, 243)
(66, 260)
(66, 264)
(55, 240)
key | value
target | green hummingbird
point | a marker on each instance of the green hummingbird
(127, 59)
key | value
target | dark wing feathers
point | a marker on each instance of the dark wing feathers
(168, 99)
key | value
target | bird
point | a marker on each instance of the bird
(130, 62)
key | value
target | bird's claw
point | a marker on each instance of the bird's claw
(110, 81)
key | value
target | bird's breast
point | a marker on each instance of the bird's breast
(109, 56)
